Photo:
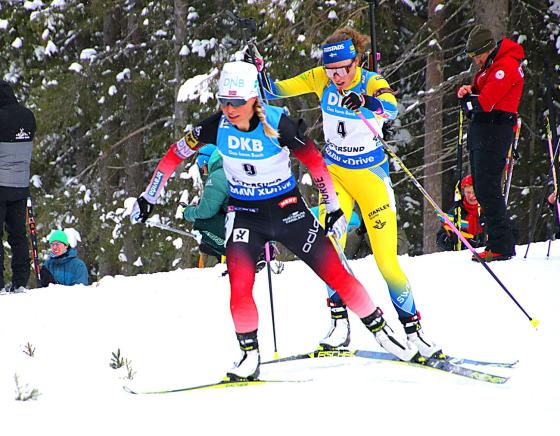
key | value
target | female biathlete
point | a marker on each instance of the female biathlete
(359, 168)
(255, 141)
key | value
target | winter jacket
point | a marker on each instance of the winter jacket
(499, 84)
(67, 269)
(17, 130)
(209, 215)
(215, 195)
(446, 239)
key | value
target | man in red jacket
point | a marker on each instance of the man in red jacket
(491, 105)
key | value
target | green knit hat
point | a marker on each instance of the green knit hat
(480, 41)
(60, 236)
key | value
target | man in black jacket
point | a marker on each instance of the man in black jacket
(17, 130)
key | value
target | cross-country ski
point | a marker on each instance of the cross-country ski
(275, 217)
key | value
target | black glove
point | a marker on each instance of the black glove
(145, 208)
(46, 277)
(335, 223)
(444, 241)
(353, 101)
(470, 105)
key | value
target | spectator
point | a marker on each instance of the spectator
(63, 267)
(208, 215)
(469, 210)
(553, 204)
(17, 131)
(491, 104)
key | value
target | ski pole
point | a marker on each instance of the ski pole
(267, 257)
(372, 62)
(33, 240)
(172, 229)
(393, 155)
(511, 160)
(552, 166)
(459, 170)
(544, 199)
(250, 25)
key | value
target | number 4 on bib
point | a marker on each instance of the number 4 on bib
(341, 129)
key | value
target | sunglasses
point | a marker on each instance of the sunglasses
(233, 102)
(341, 71)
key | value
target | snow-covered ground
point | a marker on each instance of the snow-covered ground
(176, 330)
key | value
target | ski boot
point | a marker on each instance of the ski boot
(384, 336)
(16, 289)
(415, 335)
(339, 334)
(248, 368)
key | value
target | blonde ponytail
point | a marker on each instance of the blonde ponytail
(268, 129)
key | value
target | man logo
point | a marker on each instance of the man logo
(379, 224)
(241, 235)
(22, 135)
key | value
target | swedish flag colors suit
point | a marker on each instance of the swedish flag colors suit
(359, 166)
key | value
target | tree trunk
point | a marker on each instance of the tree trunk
(493, 15)
(108, 179)
(433, 127)
(134, 153)
(180, 39)
(182, 31)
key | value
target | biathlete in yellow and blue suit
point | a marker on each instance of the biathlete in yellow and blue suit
(359, 168)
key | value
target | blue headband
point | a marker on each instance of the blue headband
(338, 51)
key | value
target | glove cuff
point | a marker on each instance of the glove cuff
(373, 104)
(332, 206)
(146, 197)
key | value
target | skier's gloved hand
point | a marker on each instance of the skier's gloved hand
(141, 210)
(353, 101)
(335, 223)
(470, 105)
(181, 210)
(252, 52)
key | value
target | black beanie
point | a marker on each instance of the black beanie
(480, 41)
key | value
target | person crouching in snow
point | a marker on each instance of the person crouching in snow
(63, 267)
(469, 211)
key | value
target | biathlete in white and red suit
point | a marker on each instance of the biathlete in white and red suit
(255, 141)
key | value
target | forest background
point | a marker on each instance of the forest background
(102, 78)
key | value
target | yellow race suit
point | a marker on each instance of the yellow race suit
(359, 166)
